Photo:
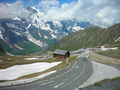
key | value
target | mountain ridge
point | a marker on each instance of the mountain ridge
(34, 30)
(90, 38)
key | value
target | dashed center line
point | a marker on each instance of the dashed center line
(81, 72)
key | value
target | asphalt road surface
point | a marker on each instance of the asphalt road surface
(68, 79)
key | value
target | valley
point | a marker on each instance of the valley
(59, 44)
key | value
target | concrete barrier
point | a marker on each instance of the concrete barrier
(103, 59)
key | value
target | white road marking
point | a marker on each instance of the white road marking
(77, 66)
(51, 78)
(77, 77)
(53, 84)
(46, 83)
(58, 76)
(81, 72)
(70, 68)
(58, 85)
(69, 77)
(67, 71)
(66, 85)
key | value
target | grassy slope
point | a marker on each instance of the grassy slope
(2, 52)
(90, 37)
(28, 47)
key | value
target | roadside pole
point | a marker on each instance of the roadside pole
(67, 60)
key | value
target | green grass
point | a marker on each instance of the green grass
(72, 59)
(90, 38)
(97, 84)
(28, 47)
(118, 78)
(105, 80)
(9, 61)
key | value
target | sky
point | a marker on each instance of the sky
(33, 2)
(99, 12)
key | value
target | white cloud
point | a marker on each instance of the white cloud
(100, 12)
(12, 10)
(108, 15)
(48, 4)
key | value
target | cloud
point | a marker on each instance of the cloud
(45, 5)
(12, 10)
(100, 12)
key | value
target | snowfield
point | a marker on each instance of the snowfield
(104, 49)
(21, 70)
(101, 72)
(26, 80)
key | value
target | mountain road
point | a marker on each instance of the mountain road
(68, 79)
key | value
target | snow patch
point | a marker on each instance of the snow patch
(1, 60)
(57, 23)
(31, 58)
(18, 47)
(9, 53)
(104, 49)
(53, 36)
(1, 36)
(17, 33)
(46, 37)
(16, 71)
(45, 27)
(77, 28)
(39, 34)
(26, 80)
(17, 18)
(101, 72)
(28, 26)
(33, 40)
(13, 26)
(117, 39)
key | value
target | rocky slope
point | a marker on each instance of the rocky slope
(34, 33)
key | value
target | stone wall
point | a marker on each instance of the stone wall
(103, 59)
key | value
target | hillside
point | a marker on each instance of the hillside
(2, 52)
(21, 48)
(90, 37)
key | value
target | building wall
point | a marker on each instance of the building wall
(61, 56)
(67, 54)
(58, 56)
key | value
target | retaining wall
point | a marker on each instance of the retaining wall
(103, 59)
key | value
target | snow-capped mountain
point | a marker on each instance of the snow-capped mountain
(34, 33)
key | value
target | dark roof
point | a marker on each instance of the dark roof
(61, 52)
